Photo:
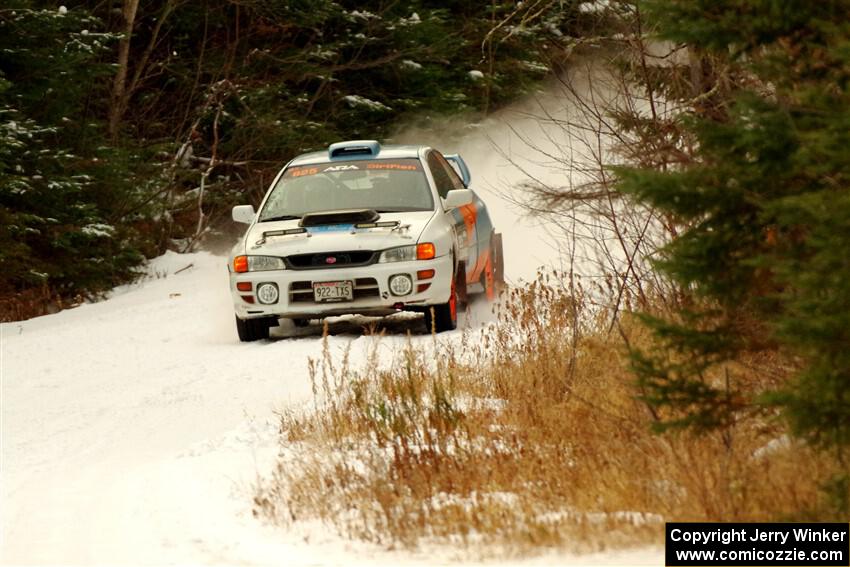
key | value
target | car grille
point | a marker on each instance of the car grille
(330, 260)
(302, 291)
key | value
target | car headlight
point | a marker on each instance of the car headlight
(400, 254)
(243, 264)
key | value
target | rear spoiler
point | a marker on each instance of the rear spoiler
(460, 167)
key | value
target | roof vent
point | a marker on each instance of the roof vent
(342, 150)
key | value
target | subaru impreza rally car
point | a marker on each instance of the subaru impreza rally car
(364, 229)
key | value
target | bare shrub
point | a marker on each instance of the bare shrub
(618, 99)
(33, 302)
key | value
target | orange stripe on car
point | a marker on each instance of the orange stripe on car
(470, 214)
(484, 265)
(480, 264)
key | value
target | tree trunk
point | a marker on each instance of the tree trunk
(119, 85)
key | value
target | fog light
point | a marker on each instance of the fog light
(267, 293)
(401, 284)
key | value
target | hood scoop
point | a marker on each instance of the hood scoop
(350, 216)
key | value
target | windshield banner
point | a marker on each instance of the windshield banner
(362, 165)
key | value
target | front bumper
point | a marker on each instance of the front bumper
(372, 295)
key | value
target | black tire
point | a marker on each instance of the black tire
(442, 317)
(460, 287)
(498, 259)
(251, 330)
(301, 322)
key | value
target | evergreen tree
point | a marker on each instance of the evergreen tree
(767, 206)
(55, 229)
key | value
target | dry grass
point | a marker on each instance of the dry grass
(33, 302)
(531, 436)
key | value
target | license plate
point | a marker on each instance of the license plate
(333, 291)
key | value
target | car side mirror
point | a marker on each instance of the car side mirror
(243, 214)
(458, 198)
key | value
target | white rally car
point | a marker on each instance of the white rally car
(367, 229)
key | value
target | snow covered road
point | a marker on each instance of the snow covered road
(102, 403)
(132, 429)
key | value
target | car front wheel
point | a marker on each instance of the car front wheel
(250, 330)
(443, 317)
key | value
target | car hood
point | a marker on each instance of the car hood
(335, 238)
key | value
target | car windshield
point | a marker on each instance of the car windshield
(383, 185)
